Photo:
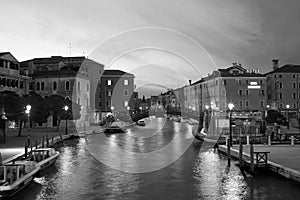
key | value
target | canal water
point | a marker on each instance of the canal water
(133, 166)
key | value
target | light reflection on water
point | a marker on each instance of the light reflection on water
(195, 175)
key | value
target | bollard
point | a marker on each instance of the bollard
(248, 140)
(47, 141)
(36, 144)
(269, 139)
(292, 140)
(228, 152)
(251, 158)
(60, 135)
(241, 153)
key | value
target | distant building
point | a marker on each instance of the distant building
(10, 77)
(283, 86)
(116, 89)
(76, 78)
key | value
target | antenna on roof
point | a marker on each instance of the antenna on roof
(70, 48)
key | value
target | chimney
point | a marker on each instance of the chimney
(275, 64)
(190, 81)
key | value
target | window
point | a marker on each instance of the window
(280, 85)
(240, 82)
(67, 85)
(21, 84)
(262, 92)
(38, 86)
(241, 103)
(280, 95)
(125, 92)
(240, 92)
(125, 103)
(87, 87)
(247, 103)
(247, 82)
(216, 82)
(42, 86)
(294, 95)
(78, 100)
(78, 85)
(294, 85)
(247, 92)
(294, 76)
(109, 82)
(224, 82)
(109, 93)
(280, 76)
(125, 82)
(261, 102)
(54, 85)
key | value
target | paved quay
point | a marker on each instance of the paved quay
(282, 159)
(15, 144)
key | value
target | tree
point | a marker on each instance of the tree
(12, 105)
(38, 112)
(54, 104)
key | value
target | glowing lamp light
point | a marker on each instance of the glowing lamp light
(230, 106)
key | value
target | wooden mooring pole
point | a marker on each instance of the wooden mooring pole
(241, 162)
(47, 140)
(228, 151)
(26, 150)
(251, 157)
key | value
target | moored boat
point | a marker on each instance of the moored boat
(44, 157)
(14, 176)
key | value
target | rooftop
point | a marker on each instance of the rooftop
(111, 72)
(288, 68)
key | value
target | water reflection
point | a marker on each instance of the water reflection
(200, 173)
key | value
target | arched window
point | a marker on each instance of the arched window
(67, 85)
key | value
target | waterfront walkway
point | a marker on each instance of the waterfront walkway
(15, 144)
(285, 155)
(282, 159)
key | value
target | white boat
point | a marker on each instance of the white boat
(14, 176)
(44, 157)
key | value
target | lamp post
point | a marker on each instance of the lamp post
(230, 106)
(27, 111)
(66, 108)
(288, 118)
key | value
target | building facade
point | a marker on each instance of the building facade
(76, 78)
(115, 91)
(11, 78)
(283, 87)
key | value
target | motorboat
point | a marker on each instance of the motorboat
(16, 175)
(44, 157)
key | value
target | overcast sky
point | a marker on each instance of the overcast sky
(191, 38)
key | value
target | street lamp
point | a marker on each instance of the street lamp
(288, 118)
(66, 108)
(230, 106)
(27, 111)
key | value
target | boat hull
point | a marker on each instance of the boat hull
(10, 190)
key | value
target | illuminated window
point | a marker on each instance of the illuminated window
(109, 82)
(125, 82)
